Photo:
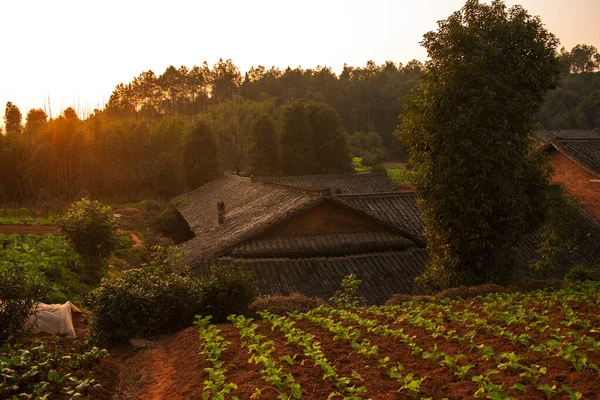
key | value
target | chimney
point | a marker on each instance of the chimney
(221, 212)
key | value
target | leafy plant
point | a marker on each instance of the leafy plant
(18, 294)
(91, 229)
(348, 297)
(230, 290)
(143, 302)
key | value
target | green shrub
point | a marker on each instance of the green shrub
(18, 293)
(281, 305)
(91, 229)
(229, 290)
(142, 302)
(580, 274)
(348, 297)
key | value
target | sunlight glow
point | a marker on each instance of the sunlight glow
(75, 52)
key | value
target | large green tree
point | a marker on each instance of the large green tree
(264, 149)
(466, 127)
(199, 155)
(296, 141)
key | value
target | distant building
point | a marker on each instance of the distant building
(575, 158)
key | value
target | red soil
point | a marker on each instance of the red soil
(173, 367)
(34, 229)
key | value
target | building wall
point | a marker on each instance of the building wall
(576, 181)
(325, 218)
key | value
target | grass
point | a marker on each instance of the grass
(397, 172)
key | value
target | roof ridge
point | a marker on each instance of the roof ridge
(377, 194)
(565, 139)
(323, 192)
(259, 177)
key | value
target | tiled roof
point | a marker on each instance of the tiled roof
(584, 251)
(399, 209)
(547, 136)
(250, 207)
(322, 245)
(382, 274)
(585, 152)
(375, 182)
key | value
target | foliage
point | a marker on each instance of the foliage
(581, 59)
(580, 274)
(229, 290)
(199, 155)
(264, 151)
(19, 292)
(142, 302)
(12, 119)
(331, 147)
(91, 229)
(281, 305)
(348, 296)
(297, 142)
(467, 128)
(45, 258)
(43, 370)
(561, 214)
(368, 146)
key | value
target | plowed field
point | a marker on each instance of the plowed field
(536, 345)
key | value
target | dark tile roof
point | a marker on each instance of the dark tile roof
(250, 207)
(375, 182)
(382, 274)
(584, 250)
(585, 152)
(330, 245)
(547, 136)
(398, 209)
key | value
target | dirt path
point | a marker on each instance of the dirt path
(135, 239)
(170, 368)
(34, 229)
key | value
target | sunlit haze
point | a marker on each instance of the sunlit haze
(75, 52)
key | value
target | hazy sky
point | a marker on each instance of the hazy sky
(76, 51)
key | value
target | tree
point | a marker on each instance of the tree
(264, 150)
(35, 121)
(584, 58)
(12, 118)
(91, 229)
(297, 141)
(331, 147)
(466, 127)
(199, 155)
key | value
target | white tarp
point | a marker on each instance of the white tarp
(55, 319)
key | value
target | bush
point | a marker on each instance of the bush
(142, 302)
(281, 305)
(91, 229)
(580, 274)
(229, 291)
(18, 293)
(348, 297)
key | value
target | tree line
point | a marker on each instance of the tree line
(160, 135)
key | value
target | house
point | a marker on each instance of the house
(299, 237)
(575, 158)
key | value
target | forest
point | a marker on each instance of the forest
(160, 135)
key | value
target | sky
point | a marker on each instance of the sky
(75, 52)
